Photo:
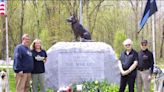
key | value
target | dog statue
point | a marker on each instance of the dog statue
(79, 30)
(159, 79)
(3, 81)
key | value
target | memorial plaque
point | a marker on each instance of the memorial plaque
(75, 62)
(79, 67)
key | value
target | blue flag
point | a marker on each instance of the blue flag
(150, 9)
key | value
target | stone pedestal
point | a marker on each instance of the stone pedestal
(75, 62)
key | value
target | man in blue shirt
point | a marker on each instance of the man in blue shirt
(23, 64)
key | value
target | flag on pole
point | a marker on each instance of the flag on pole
(2, 7)
(150, 9)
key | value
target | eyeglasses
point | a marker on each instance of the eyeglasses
(27, 39)
(144, 44)
(128, 45)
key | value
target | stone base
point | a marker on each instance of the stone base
(76, 62)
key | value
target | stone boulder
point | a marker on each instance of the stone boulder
(76, 62)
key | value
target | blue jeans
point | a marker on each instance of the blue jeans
(38, 79)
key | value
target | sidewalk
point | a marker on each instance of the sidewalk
(4, 66)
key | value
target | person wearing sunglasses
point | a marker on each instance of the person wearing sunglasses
(144, 68)
(127, 64)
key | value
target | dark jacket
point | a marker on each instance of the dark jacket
(146, 60)
(128, 60)
(23, 60)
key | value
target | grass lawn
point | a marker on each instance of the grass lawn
(12, 81)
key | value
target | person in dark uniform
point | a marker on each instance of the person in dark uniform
(127, 64)
(145, 67)
(39, 57)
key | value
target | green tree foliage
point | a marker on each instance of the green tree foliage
(110, 20)
(46, 41)
(118, 40)
(46, 19)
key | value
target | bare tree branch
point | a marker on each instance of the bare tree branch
(133, 7)
(68, 6)
(162, 42)
(97, 10)
(47, 9)
(97, 6)
(22, 19)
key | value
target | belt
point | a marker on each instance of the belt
(142, 69)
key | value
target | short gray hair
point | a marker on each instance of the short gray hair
(128, 41)
(24, 36)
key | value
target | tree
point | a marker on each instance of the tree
(46, 20)
(118, 40)
(23, 2)
(162, 41)
(136, 13)
(3, 41)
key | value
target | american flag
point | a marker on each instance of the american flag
(2, 7)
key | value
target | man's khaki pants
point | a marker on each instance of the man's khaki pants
(143, 81)
(23, 82)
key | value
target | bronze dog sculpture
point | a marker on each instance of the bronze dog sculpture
(79, 30)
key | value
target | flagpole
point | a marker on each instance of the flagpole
(7, 51)
(153, 37)
(153, 43)
(7, 47)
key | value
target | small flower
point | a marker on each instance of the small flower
(96, 82)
